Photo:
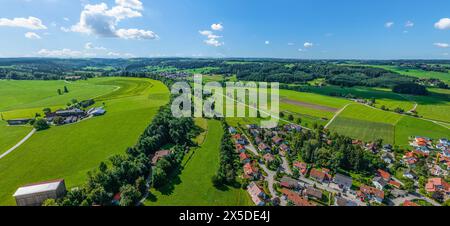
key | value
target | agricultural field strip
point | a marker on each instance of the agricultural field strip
(336, 115)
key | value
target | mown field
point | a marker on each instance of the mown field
(194, 187)
(70, 151)
(34, 94)
(365, 123)
(11, 135)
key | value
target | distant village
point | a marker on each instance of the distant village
(276, 180)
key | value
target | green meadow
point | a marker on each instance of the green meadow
(10, 135)
(366, 123)
(70, 151)
(193, 187)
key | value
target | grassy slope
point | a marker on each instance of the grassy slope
(194, 186)
(10, 135)
(36, 94)
(70, 151)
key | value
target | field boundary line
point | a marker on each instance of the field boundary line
(18, 144)
(337, 114)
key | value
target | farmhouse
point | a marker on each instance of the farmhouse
(250, 171)
(344, 182)
(36, 194)
(437, 185)
(379, 183)
(263, 147)
(371, 193)
(383, 174)
(319, 175)
(340, 201)
(301, 166)
(96, 111)
(284, 149)
(288, 182)
(70, 112)
(16, 122)
(256, 193)
(244, 157)
(295, 198)
(313, 192)
(269, 157)
(159, 155)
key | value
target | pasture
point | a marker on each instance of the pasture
(70, 151)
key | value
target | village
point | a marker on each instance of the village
(409, 178)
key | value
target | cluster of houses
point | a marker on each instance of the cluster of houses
(302, 191)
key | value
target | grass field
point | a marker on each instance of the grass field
(10, 135)
(409, 126)
(37, 94)
(365, 123)
(418, 73)
(364, 130)
(194, 187)
(70, 151)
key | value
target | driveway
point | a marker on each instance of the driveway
(18, 144)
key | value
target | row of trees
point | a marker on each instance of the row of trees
(229, 162)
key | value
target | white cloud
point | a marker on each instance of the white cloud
(120, 55)
(65, 29)
(214, 42)
(389, 24)
(301, 50)
(267, 42)
(100, 20)
(291, 44)
(136, 34)
(443, 24)
(217, 27)
(441, 45)
(445, 54)
(212, 39)
(60, 53)
(66, 19)
(32, 35)
(308, 44)
(133, 4)
(409, 24)
(91, 46)
(32, 23)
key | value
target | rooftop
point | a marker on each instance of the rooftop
(38, 188)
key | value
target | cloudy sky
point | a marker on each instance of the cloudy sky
(306, 29)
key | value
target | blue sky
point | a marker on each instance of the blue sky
(305, 29)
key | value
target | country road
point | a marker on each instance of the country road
(18, 144)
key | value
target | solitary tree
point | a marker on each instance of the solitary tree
(41, 124)
(59, 92)
(66, 90)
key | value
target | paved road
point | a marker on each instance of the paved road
(270, 178)
(285, 166)
(18, 144)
